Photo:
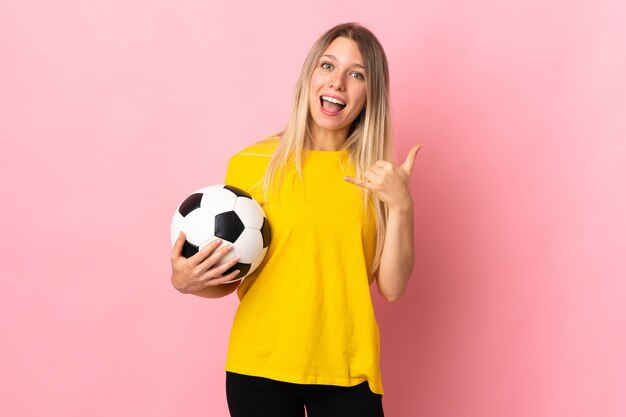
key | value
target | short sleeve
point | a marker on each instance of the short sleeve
(246, 169)
(234, 175)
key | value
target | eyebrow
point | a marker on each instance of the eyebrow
(335, 58)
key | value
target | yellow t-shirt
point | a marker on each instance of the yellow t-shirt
(305, 315)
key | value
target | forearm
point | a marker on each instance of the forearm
(216, 291)
(398, 255)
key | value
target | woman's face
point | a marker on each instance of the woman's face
(338, 89)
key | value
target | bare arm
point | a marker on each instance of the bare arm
(396, 262)
(217, 291)
(390, 183)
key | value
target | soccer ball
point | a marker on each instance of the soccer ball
(230, 214)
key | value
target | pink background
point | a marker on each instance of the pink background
(111, 112)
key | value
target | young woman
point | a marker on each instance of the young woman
(305, 334)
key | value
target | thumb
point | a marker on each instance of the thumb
(410, 159)
(177, 249)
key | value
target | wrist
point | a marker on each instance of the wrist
(177, 285)
(402, 208)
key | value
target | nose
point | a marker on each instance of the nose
(337, 82)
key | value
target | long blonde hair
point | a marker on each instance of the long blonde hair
(369, 138)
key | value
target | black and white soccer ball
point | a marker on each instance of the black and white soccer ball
(230, 214)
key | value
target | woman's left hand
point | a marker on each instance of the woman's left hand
(389, 182)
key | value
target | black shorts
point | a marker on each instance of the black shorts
(253, 396)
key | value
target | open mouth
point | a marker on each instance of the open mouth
(332, 104)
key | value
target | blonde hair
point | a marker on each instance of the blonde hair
(369, 138)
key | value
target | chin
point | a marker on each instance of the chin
(322, 122)
(331, 127)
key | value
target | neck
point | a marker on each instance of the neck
(328, 140)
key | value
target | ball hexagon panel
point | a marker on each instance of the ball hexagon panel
(249, 212)
(198, 226)
(217, 199)
(249, 245)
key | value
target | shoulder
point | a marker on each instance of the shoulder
(247, 167)
(263, 149)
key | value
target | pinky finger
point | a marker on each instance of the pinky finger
(222, 279)
(232, 276)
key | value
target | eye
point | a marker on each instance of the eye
(327, 65)
(357, 75)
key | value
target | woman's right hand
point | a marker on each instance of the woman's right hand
(201, 270)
